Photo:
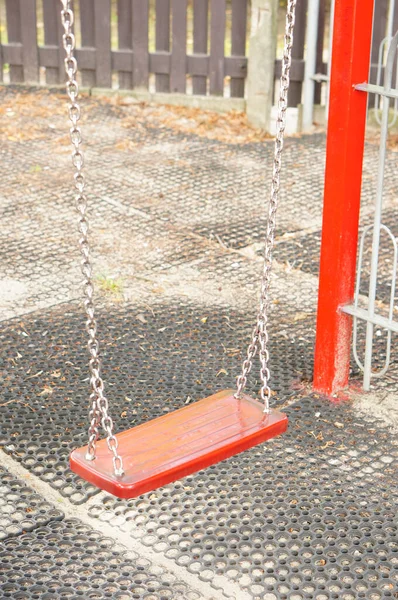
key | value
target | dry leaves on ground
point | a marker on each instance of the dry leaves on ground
(31, 115)
(231, 127)
(34, 115)
(392, 140)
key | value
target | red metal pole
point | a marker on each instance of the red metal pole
(352, 37)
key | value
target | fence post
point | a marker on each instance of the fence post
(352, 36)
(260, 76)
(14, 36)
(29, 41)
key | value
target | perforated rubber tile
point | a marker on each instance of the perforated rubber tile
(155, 360)
(302, 252)
(68, 559)
(43, 556)
(258, 518)
(311, 515)
(22, 509)
(150, 189)
(308, 516)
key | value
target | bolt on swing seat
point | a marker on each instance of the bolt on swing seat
(199, 435)
(180, 443)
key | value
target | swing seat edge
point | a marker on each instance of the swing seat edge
(180, 443)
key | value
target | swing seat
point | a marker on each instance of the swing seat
(180, 443)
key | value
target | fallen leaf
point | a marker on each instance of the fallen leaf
(330, 443)
(300, 316)
(222, 372)
(47, 391)
(36, 375)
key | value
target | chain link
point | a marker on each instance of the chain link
(98, 414)
(259, 340)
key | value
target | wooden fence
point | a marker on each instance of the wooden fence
(114, 45)
(131, 61)
(142, 44)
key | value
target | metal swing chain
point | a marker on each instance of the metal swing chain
(99, 403)
(260, 333)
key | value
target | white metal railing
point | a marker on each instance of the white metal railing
(383, 53)
(369, 315)
(311, 76)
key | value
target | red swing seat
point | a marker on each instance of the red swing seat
(180, 443)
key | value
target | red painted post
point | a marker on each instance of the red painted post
(344, 154)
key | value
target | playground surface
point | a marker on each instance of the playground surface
(177, 207)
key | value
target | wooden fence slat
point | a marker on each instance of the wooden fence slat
(51, 18)
(296, 86)
(162, 81)
(122, 61)
(48, 58)
(86, 58)
(217, 39)
(159, 62)
(198, 66)
(14, 35)
(235, 67)
(61, 51)
(124, 28)
(13, 54)
(87, 30)
(296, 70)
(178, 79)
(200, 38)
(29, 41)
(238, 42)
(319, 50)
(140, 43)
(103, 43)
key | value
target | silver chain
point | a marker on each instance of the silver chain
(99, 404)
(259, 342)
(259, 339)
